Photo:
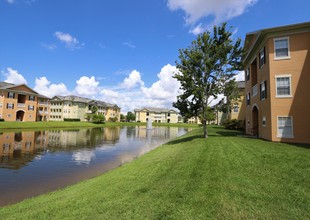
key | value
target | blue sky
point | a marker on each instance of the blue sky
(120, 51)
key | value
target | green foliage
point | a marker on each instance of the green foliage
(94, 109)
(98, 119)
(72, 119)
(234, 124)
(1, 119)
(204, 69)
(122, 118)
(113, 119)
(130, 116)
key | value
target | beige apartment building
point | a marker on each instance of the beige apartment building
(21, 103)
(65, 107)
(277, 72)
(157, 115)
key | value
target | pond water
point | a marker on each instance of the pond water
(36, 162)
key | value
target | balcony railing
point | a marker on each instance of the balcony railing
(43, 112)
(254, 90)
(21, 105)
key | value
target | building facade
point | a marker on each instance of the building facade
(158, 115)
(74, 107)
(277, 73)
(20, 103)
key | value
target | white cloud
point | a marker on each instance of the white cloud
(219, 10)
(12, 76)
(49, 46)
(132, 80)
(10, 1)
(240, 76)
(86, 86)
(166, 88)
(44, 87)
(129, 44)
(70, 41)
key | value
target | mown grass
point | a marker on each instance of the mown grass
(223, 177)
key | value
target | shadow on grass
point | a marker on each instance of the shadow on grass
(186, 139)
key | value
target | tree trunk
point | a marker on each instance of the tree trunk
(205, 131)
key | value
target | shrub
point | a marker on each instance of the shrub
(1, 119)
(98, 119)
(113, 119)
(234, 124)
(72, 119)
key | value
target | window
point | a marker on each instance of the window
(285, 127)
(168, 114)
(236, 108)
(31, 98)
(283, 85)
(30, 107)
(248, 99)
(11, 95)
(281, 48)
(0, 104)
(10, 106)
(264, 121)
(263, 90)
(262, 57)
(247, 74)
(147, 114)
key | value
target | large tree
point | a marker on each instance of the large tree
(205, 67)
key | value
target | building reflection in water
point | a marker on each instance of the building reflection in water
(19, 148)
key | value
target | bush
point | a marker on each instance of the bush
(72, 119)
(1, 119)
(113, 119)
(98, 119)
(234, 124)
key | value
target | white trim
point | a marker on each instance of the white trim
(259, 58)
(280, 135)
(260, 91)
(288, 48)
(282, 76)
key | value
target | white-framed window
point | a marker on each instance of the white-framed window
(1, 104)
(285, 127)
(283, 86)
(248, 99)
(30, 107)
(263, 90)
(264, 121)
(281, 48)
(236, 108)
(10, 106)
(247, 74)
(31, 98)
(11, 95)
(262, 57)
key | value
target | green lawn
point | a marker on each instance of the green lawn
(223, 177)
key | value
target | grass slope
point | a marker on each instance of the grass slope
(223, 177)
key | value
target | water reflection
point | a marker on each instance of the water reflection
(34, 162)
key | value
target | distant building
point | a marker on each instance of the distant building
(65, 107)
(238, 106)
(159, 115)
(21, 103)
(277, 72)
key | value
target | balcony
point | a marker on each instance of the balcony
(43, 103)
(254, 90)
(21, 105)
(43, 112)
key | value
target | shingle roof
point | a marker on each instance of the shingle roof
(74, 98)
(150, 109)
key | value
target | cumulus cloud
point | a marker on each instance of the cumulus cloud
(10, 1)
(240, 76)
(166, 88)
(132, 80)
(44, 87)
(70, 41)
(86, 86)
(12, 76)
(220, 10)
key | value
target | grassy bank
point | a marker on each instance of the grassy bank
(64, 124)
(223, 177)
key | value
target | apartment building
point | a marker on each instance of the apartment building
(238, 106)
(21, 103)
(277, 73)
(159, 115)
(63, 107)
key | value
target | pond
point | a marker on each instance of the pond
(36, 162)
